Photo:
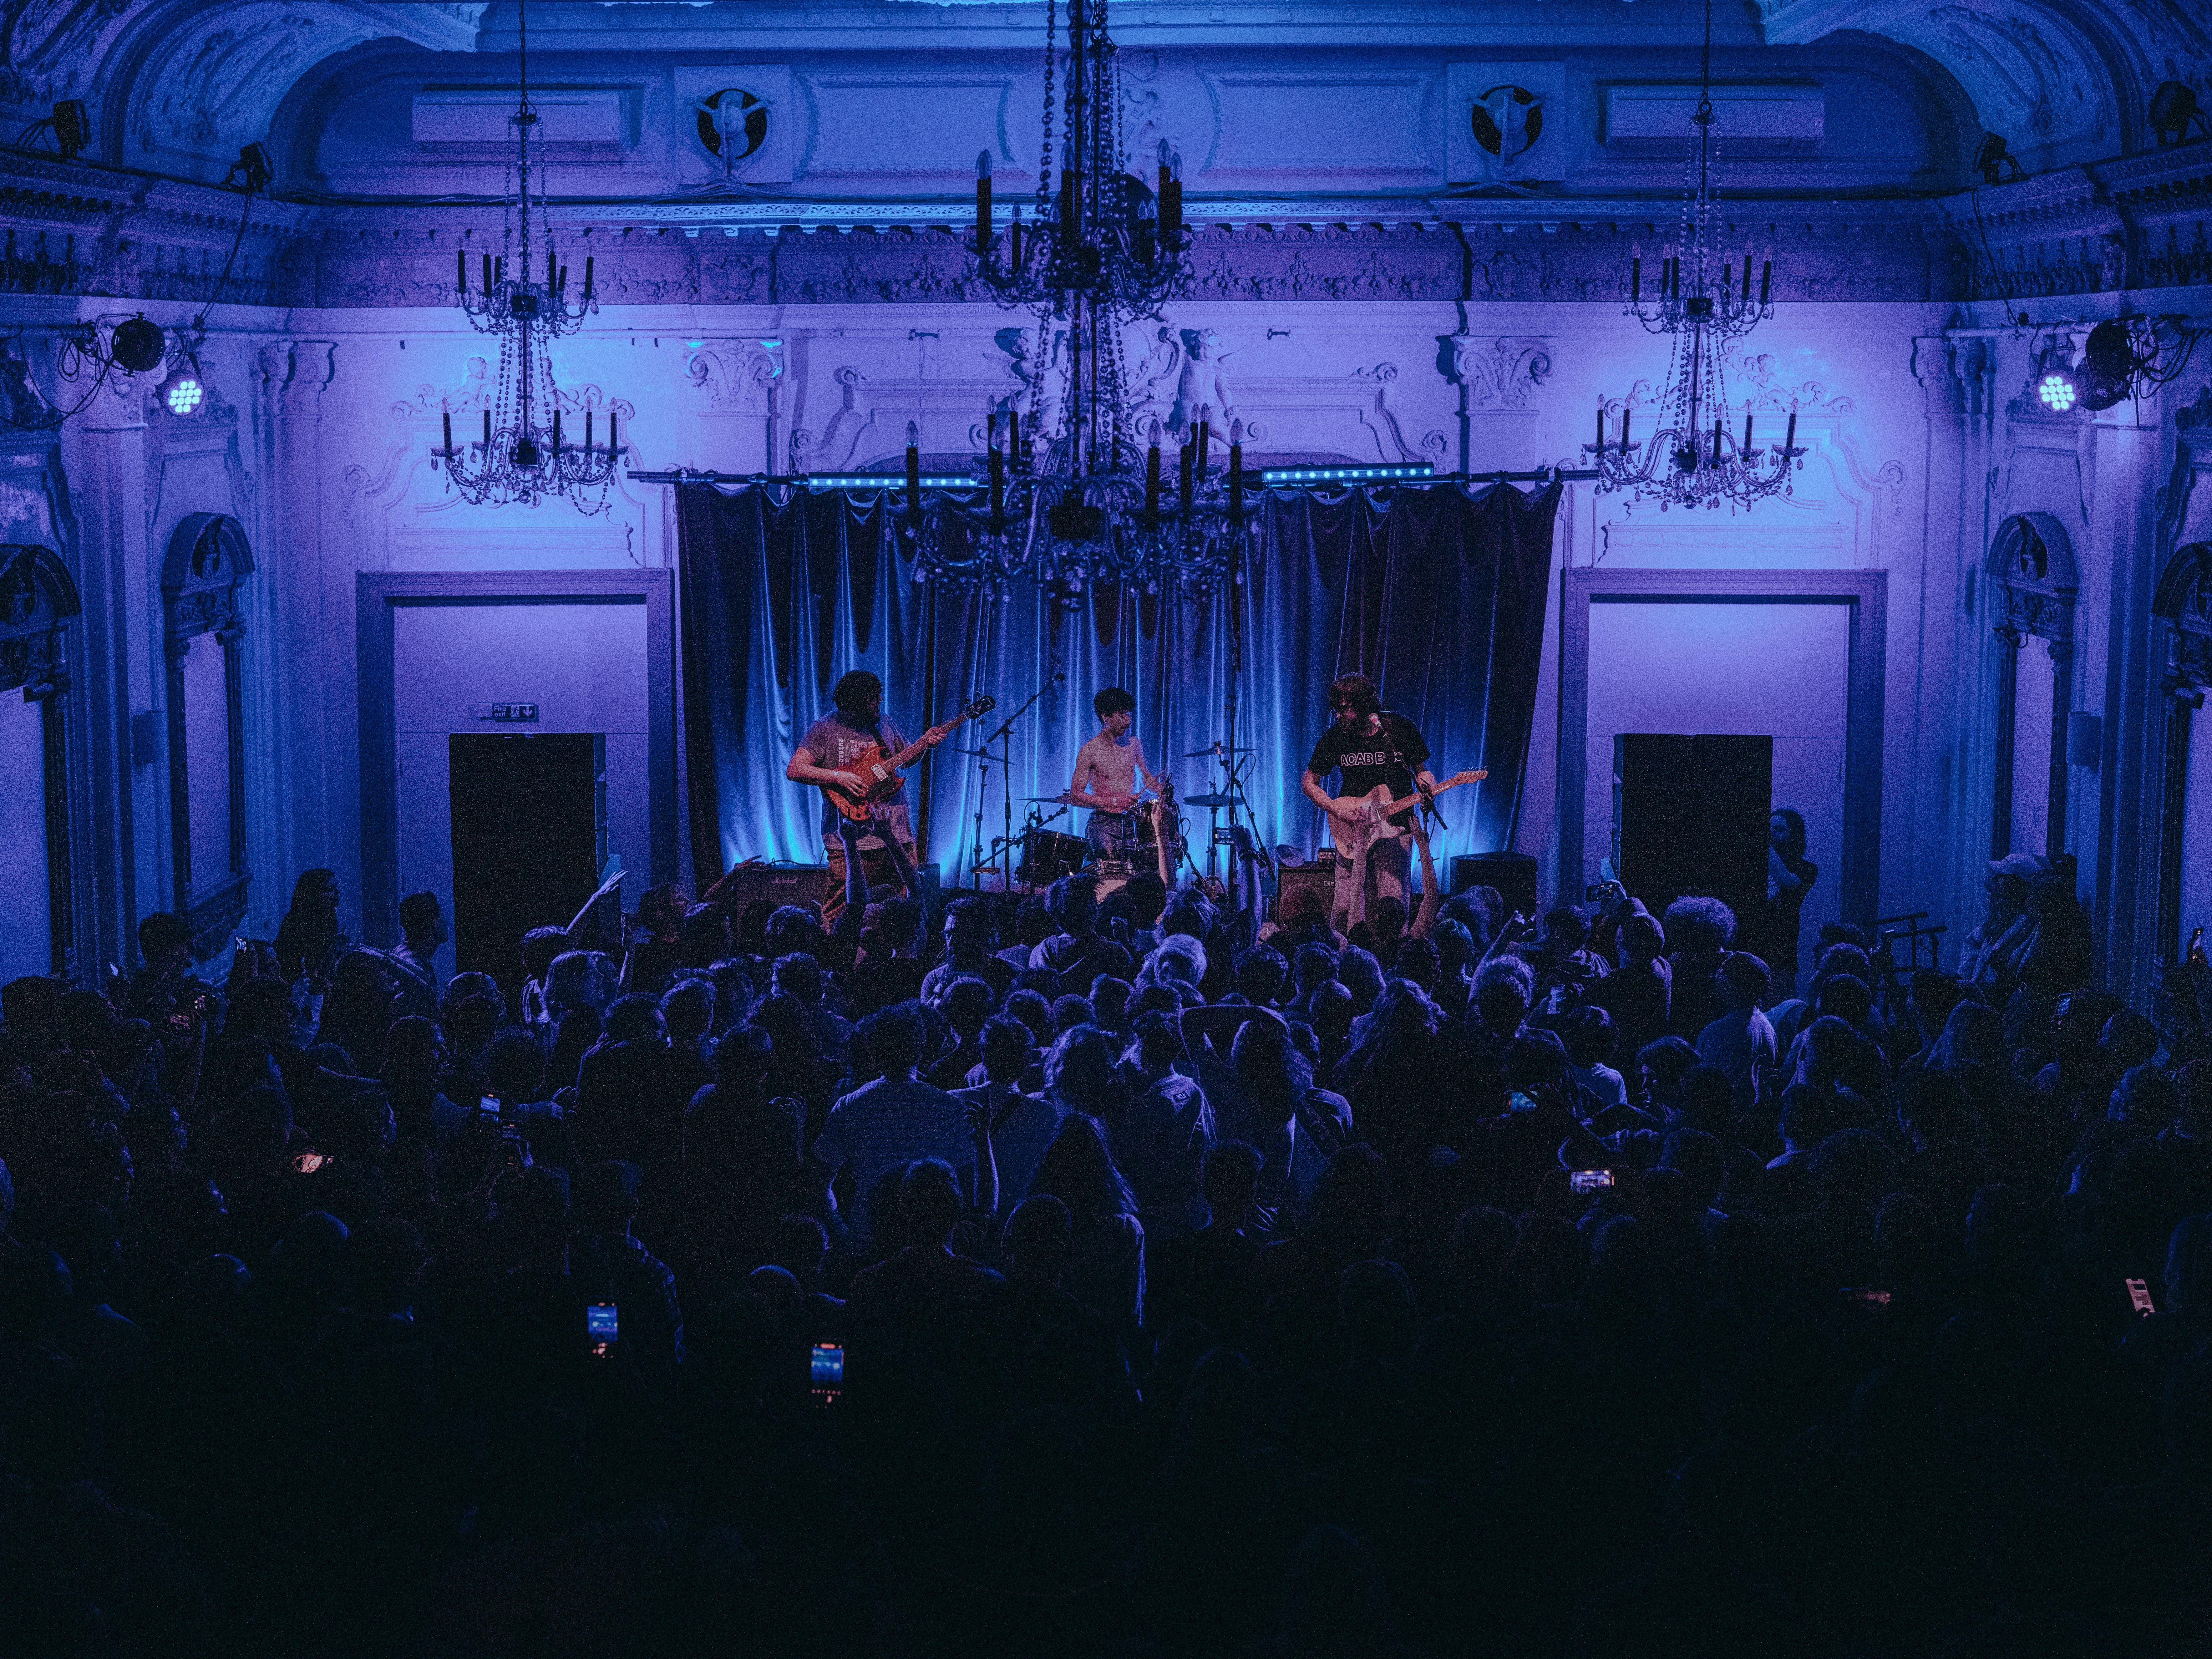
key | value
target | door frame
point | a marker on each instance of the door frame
(376, 599)
(1867, 594)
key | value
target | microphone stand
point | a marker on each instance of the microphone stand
(1003, 736)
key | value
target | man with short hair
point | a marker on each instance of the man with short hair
(1020, 1124)
(1107, 770)
(421, 930)
(1741, 1040)
(1078, 953)
(893, 1121)
(885, 843)
(971, 937)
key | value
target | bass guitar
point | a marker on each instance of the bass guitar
(878, 769)
(1381, 816)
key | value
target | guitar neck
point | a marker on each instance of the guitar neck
(1408, 802)
(914, 751)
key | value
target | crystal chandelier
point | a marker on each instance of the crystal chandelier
(1700, 303)
(524, 456)
(1070, 492)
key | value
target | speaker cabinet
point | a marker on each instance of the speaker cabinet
(1322, 876)
(1513, 874)
(1689, 817)
(779, 884)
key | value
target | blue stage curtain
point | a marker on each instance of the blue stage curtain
(1438, 594)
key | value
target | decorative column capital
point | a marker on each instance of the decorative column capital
(738, 375)
(1935, 365)
(293, 375)
(1496, 373)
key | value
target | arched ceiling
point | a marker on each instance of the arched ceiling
(177, 86)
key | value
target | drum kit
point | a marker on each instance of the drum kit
(1156, 840)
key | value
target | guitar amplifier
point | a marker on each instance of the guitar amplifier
(778, 883)
(1320, 875)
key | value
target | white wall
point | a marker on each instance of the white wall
(2196, 838)
(25, 944)
(1694, 669)
(584, 664)
(2030, 750)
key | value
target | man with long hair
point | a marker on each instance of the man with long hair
(884, 845)
(1367, 745)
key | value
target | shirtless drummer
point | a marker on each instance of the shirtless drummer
(1106, 772)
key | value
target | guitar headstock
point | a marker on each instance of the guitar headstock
(1458, 778)
(982, 705)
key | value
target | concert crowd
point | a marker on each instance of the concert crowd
(1038, 1275)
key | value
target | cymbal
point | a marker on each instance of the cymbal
(976, 754)
(1209, 800)
(1220, 749)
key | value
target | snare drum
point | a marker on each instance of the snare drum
(1046, 855)
(1110, 876)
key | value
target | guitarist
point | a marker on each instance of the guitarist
(885, 848)
(1368, 744)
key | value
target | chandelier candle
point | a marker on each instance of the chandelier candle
(983, 205)
(1153, 477)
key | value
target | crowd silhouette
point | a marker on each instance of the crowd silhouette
(1126, 1278)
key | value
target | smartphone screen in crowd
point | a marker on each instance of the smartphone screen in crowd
(601, 1325)
(2139, 1297)
(1591, 1181)
(827, 1371)
(1518, 1101)
(488, 1109)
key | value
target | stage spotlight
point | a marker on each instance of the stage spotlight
(1995, 162)
(252, 170)
(2056, 390)
(2109, 365)
(136, 346)
(73, 131)
(2173, 110)
(184, 391)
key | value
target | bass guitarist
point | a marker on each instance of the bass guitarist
(884, 845)
(1370, 745)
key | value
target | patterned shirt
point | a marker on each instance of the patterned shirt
(835, 743)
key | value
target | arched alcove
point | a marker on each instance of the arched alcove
(2033, 582)
(208, 560)
(37, 600)
(2183, 601)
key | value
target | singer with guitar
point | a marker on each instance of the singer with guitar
(1370, 747)
(860, 816)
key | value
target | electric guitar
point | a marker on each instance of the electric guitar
(1382, 817)
(878, 772)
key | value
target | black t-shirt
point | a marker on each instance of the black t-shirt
(1391, 755)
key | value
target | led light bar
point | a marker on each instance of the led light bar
(1273, 476)
(894, 481)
